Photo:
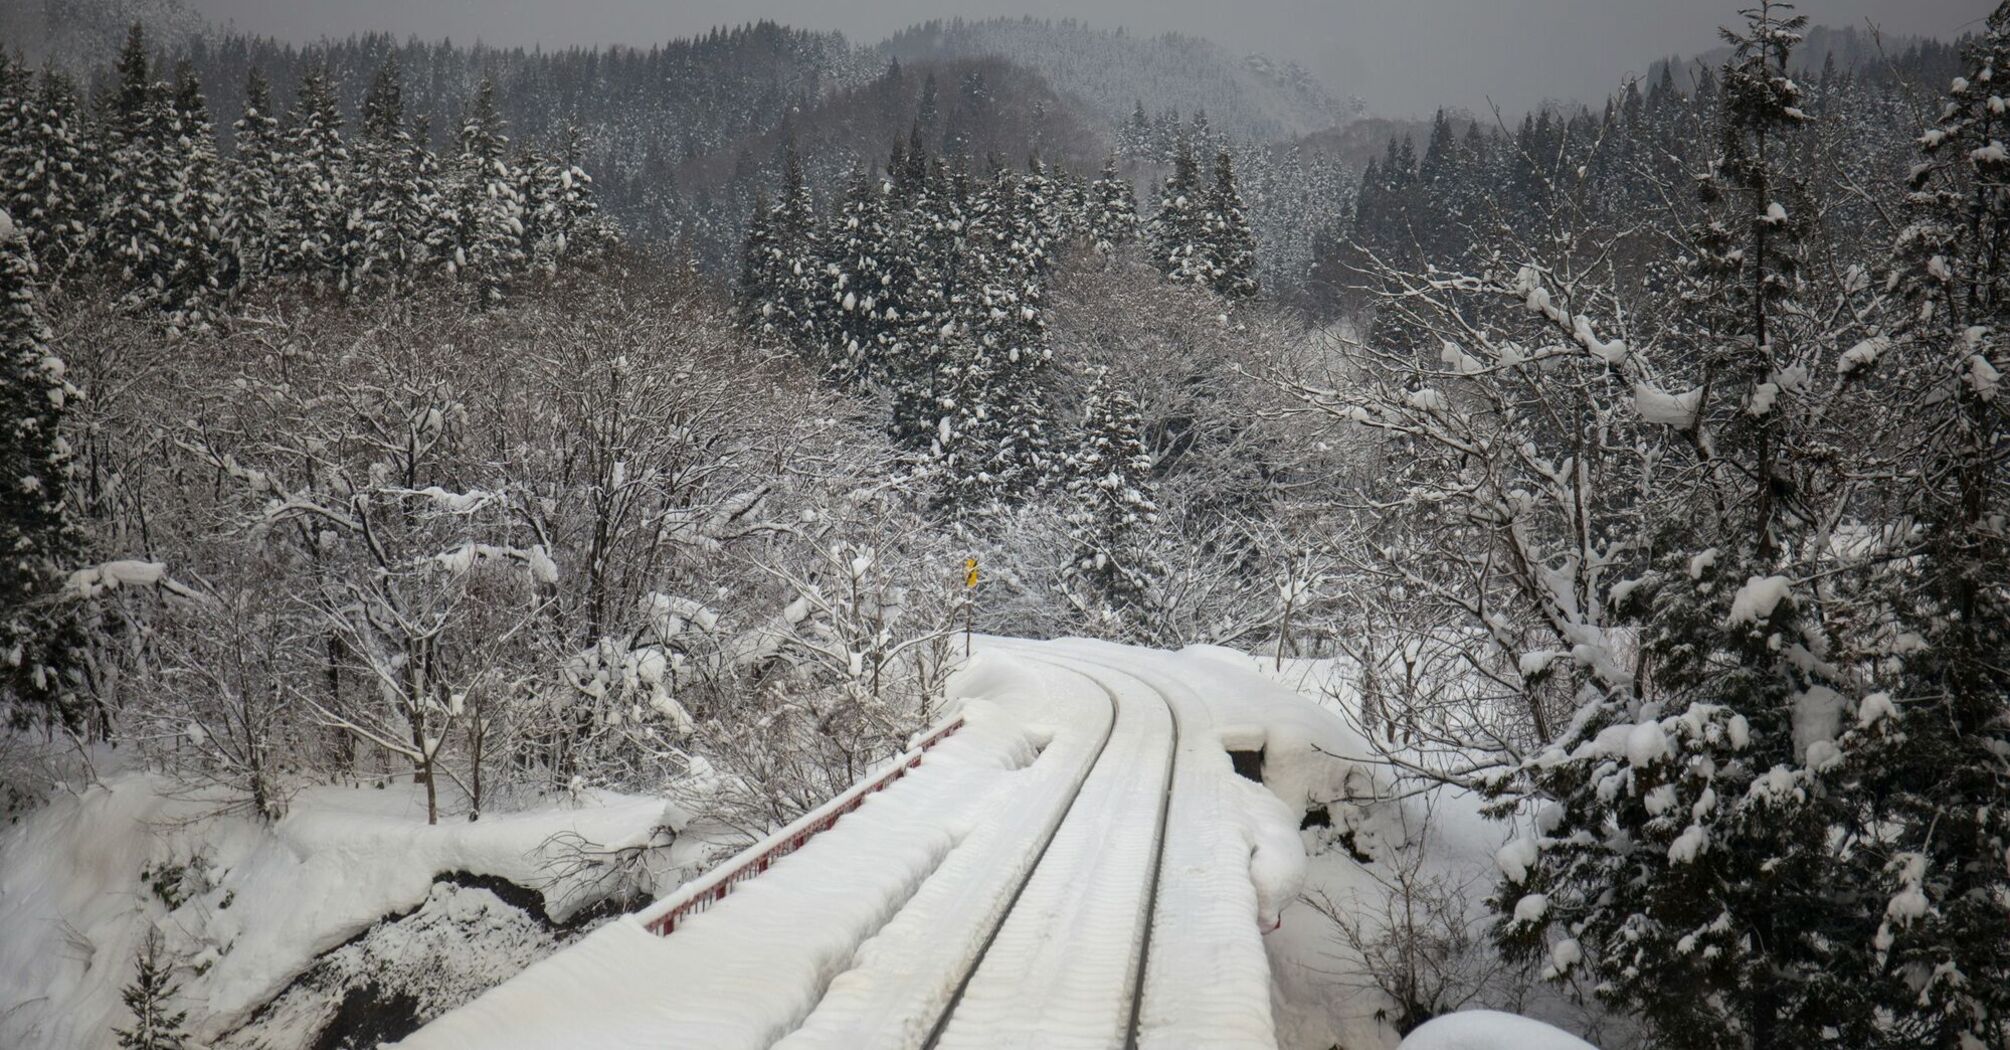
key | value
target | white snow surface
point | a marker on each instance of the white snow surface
(1490, 1030)
(1757, 599)
(270, 900)
(922, 897)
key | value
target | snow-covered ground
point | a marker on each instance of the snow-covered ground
(1080, 861)
(1490, 1030)
(1010, 890)
(247, 907)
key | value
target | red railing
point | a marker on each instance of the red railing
(701, 893)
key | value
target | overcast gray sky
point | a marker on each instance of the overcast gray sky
(1404, 56)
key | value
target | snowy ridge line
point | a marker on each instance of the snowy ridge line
(701, 893)
(1047, 841)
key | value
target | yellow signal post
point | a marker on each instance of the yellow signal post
(969, 601)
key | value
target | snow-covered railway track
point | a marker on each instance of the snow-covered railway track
(894, 993)
(1065, 966)
(1208, 987)
(1077, 867)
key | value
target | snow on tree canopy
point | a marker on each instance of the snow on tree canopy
(1757, 599)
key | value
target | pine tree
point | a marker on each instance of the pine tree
(929, 277)
(1178, 230)
(194, 289)
(394, 189)
(55, 185)
(1108, 483)
(538, 174)
(1009, 257)
(1113, 208)
(753, 291)
(486, 215)
(1937, 767)
(1229, 252)
(313, 239)
(1688, 854)
(581, 232)
(859, 282)
(255, 181)
(788, 279)
(155, 1026)
(37, 641)
(136, 221)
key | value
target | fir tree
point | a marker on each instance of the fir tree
(1108, 484)
(395, 190)
(859, 282)
(155, 1026)
(136, 221)
(1682, 857)
(1230, 248)
(1178, 229)
(59, 192)
(255, 181)
(196, 253)
(313, 239)
(37, 641)
(791, 303)
(487, 217)
(581, 232)
(1008, 320)
(1937, 767)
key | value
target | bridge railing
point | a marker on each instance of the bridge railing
(701, 893)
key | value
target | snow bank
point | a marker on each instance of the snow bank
(750, 969)
(261, 904)
(1490, 1030)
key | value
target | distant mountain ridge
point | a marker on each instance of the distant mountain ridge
(1111, 71)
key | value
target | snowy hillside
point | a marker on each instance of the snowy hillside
(1112, 71)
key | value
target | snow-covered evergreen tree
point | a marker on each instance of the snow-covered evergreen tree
(37, 540)
(254, 187)
(1937, 770)
(136, 222)
(1113, 208)
(45, 166)
(485, 244)
(395, 190)
(582, 231)
(1010, 252)
(1230, 253)
(1178, 230)
(196, 271)
(783, 274)
(312, 239)
(858, 295)
(155, 1025)
(1688, 851)
(1108, 483)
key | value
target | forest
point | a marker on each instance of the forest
(525, 425)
